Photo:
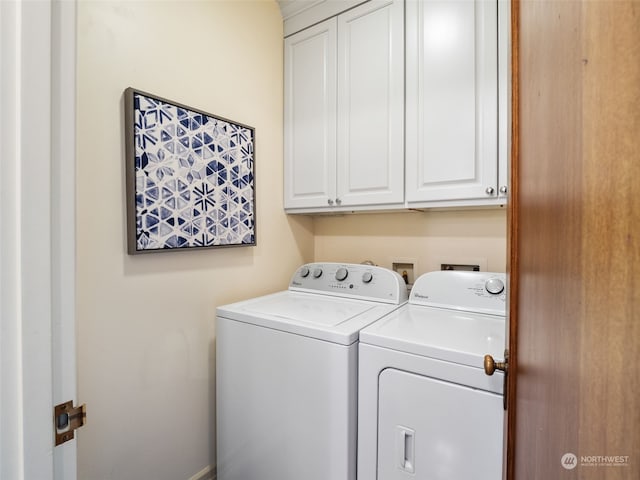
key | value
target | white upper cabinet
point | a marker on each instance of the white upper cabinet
(452, 103)
(504, 96)
(310, 116)
(392, 105)
(370, 167)
(344, 111)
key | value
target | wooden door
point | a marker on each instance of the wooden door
(574, 411)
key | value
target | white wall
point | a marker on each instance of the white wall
(146, 322)
(429, 238)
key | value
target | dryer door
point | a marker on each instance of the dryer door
(435, 430)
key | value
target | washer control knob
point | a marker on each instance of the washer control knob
(367, 277)
(494, 286)
(304, 272)
(341, 274)
(317, 272)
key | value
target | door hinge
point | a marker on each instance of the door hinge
(67, 419)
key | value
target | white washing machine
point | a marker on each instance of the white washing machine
(426, 408)
(286, 368)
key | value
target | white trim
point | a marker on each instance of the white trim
(35, 231)
(11, 431)
(301, 14)
(63, 84)
(27, 428)
(289, 8)
(207, 473)
(37, 161)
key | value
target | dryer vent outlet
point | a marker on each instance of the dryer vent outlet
(456, 266)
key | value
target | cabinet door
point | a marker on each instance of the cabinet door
(452, 105)
(310, 117)
(504, 96)
(370, 166)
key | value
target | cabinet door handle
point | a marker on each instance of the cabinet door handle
(330, 201)
(490, 190)
(503, 190)
(338, 201)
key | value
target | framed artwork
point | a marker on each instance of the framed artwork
(190, 177)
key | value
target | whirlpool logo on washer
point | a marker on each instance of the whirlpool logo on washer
(419, 295)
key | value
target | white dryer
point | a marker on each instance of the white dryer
(426, 408)
(286, 368)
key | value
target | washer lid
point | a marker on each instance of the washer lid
(325, 317)
(443, 334)
(313, 310)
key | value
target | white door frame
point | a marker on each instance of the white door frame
(37, 235)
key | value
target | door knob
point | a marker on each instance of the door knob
(490, 365)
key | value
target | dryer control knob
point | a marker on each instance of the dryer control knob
(367, 277)
(317, 273)
(304, 272)
(341, 274)
(494, 286)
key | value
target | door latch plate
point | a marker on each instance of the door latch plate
(67, 419)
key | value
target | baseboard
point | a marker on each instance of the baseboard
(207, 473)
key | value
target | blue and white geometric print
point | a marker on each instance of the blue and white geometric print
(193, 178)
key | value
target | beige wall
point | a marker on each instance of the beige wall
(145, 323)
(426, 238)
